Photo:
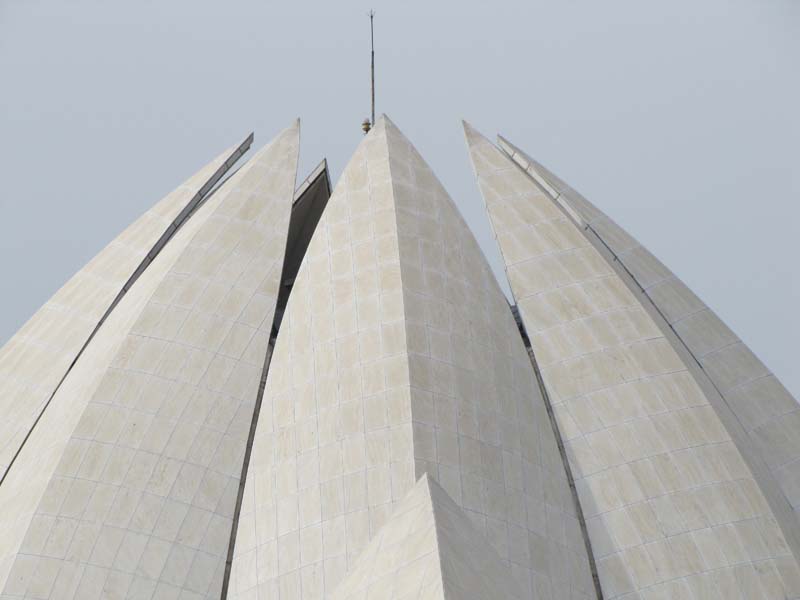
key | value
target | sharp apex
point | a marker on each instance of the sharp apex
(472, 135)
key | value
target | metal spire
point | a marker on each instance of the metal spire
(369, 123)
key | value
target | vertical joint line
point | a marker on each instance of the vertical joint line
(248, 451)
(562, 452)
(750, 454)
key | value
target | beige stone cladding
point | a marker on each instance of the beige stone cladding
(398, 355)
(428, 550)
(672, 509)
(480, 426)
(33, 362)
(27, 481)
(758, 411)
(132, 473)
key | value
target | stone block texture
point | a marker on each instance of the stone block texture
(755, 407)
(399, 356)
(173, 428)
(673, 508)
(127, 486)
(428, 549)
(37, 357)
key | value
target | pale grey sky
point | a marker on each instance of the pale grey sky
(679, 119)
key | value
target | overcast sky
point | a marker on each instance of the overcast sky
(679, 119)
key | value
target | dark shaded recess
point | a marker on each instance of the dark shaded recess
(309, 202)
(561, 450)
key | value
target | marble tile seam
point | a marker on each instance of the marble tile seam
(739, 434)
(320, 170)
(564, 458)
(246, 465)
(385, 135)
(545, 396)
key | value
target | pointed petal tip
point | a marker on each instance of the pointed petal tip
(384, 118)
(472, 135)
(469, 130)
(294, 126)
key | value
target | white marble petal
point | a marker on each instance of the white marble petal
(36, 358)
(127, 486)
(672, 508)
(398, 355)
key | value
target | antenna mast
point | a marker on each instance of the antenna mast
(369, 123)
(372, 66)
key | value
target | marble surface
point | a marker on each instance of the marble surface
(399, 356)
(758, 411)
(127, 486)
(36, 358)
(672, 508)
(428, 550)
